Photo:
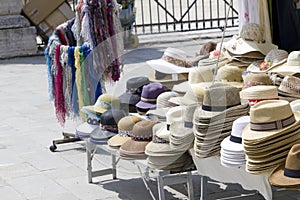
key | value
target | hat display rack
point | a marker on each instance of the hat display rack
(76, 63)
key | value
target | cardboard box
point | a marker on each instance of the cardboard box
(38, 10)
(62, 14)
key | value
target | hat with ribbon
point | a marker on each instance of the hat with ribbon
(125, 126)
(149, 95)
(104, 102)
(231, 75)
(173, 61)
(288, 175)
(253, 79)
(85, 129)
(290, 86)
(291, 66)
(108, 126)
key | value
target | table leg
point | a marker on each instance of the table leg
(203, 187)
(89, 161)
(190, 186)
(114, 166)
(160, 187)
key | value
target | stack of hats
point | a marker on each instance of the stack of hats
(160, 154)
(133, 93)
(289, 88)
(163, 105)
(291, 66)
(85, 129)
(272, 131)
(181, 132)
(287, 175)
(108, 126)
(232, 150)
(125, 126)
(213, 120)
(141, 135)
(149, 95)
(172, 68)
(259, 93)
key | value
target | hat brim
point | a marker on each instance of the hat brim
(288, 94)
(160, 130)
(249, 134)
(166, 67)
(256, 69)
(133, 147)
(285, 69)
(145, 105)
(180, 78)
(128, 98)
(117, 140)
(278, 179)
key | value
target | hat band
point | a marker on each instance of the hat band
(148, 100)
(174, 61)
(111, 128)
(253, 83)
(93, 121)
(252, 102)
(157, 139)
(133, 90)
(168, 127)
(142, 138)
(293, 173)
(124, 133)
(235, 139)
(276, 125)
(188, 124)
(103, 104)
(217, 108)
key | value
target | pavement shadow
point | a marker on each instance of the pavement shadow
(34, 60)
(142, 55)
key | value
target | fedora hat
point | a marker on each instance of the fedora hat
(85, 129)
(253, 79)
(108, 126)
(200, 74)
(231, 75)
(149, 95)
(270, 119)
(288, 174)
(290, 86)
(249, 40)
(291, 66)
(140, 137)
(274, 58)
(133, 90)
(104, 102)
(295, 105)
(125, 126)
(173, 61)
(234, 141)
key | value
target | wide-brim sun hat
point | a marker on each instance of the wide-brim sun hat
(291, 66)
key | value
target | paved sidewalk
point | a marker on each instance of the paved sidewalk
(29, 171)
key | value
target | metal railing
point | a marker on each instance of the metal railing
(165, 16)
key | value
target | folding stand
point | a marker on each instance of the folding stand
(67, 138)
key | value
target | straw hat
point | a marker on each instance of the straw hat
(295, 105)
(249, 40)
(288, 176)
(200, 74)
(149, 95)
(104, 102)
(231, 75)
(125, 126)
(253, 79)
(291, 66)
(173, 61)
(270, 119)
(290, 86)
(168, 80)
(273, 58)
(108, 126)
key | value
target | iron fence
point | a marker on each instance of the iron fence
(164, 16)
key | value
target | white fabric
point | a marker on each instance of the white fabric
(212, 168)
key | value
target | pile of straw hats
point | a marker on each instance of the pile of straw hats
(232, 150)
(272, 131)
(213, 120)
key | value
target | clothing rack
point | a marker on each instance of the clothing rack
(82, 54)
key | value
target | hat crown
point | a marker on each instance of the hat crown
(253, 79)
(175, 114)
(253, 32)
(260, 92)
(221, 95)
(188, 114)
(163, 100)
(175, 53)
(276, 55)
(293, 158)
(127, 123)
(107, 102)
(290, 84)
(293, 58)
(239, 125)
(152, 90)
(295, 105)
(229, 73)
(112, 117)
(270, 111)
(136, 82)
(143, 129)
(200, 74)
